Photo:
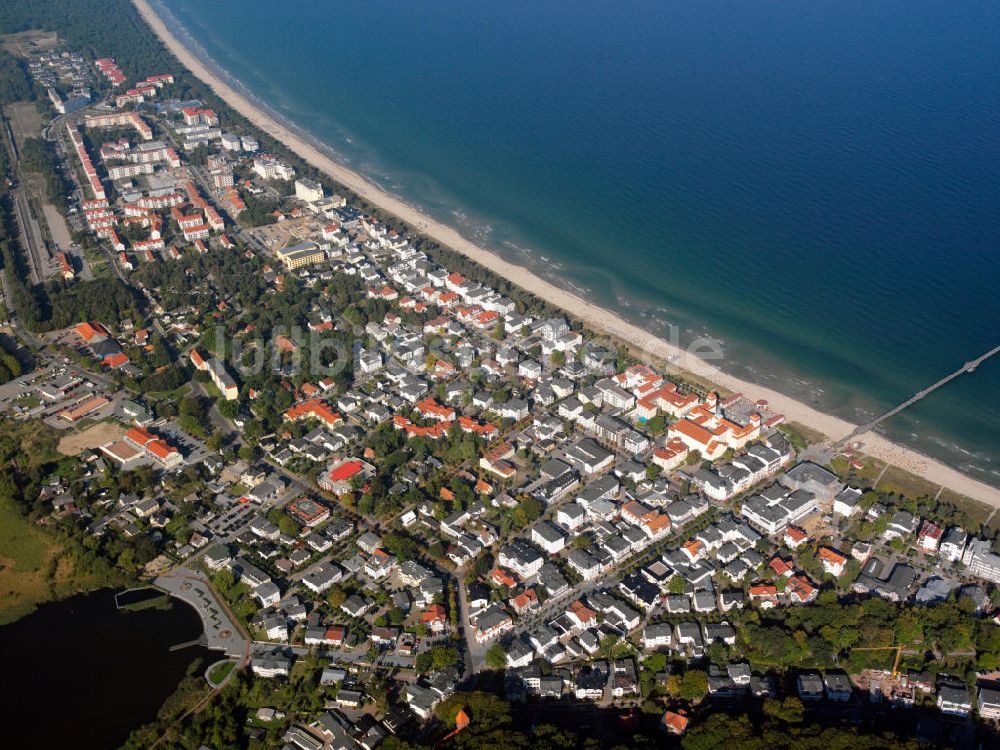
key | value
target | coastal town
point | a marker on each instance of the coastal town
(361, 459)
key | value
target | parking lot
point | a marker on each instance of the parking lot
(193, 450)
(231, 522)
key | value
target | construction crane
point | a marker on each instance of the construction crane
(895, 663)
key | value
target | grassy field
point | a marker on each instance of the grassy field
(29, 561)
(33, 569)
(803, 432)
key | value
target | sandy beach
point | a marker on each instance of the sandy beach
(599, 319)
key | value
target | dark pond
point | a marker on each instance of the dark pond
(81, 673)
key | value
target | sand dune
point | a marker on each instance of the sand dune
(596, 317)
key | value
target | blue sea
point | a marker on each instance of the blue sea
(815, 184)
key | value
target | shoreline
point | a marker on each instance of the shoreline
(597, 318)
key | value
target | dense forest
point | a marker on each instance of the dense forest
(823, 634)
(15, 84)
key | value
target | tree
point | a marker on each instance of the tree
(790, 710)
(283, 521)
(655, 662)
(436, 657)
(657, 425)
(693, 685)
(527, 512)
(336, 597)
(496, 657)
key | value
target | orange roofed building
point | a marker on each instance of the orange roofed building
(702, 430)
(92, 331)
(833, 561)
(674, 722)
(314, 409)
(139, 440)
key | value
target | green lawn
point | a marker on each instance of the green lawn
(28, 402)
(220, 672)
(169, 395)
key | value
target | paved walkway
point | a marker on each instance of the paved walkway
(221, 631)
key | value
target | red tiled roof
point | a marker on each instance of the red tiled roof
(346, 470)
(115, 360)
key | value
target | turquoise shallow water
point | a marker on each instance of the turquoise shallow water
(816, 184)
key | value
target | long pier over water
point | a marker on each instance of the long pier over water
(969, 367)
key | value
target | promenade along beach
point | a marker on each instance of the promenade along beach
(593, 315)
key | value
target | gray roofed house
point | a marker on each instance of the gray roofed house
(249, 573)
(369, 542)
(571, 515)
(552, 580)
(731, 600)
(678, 604)
(934, 589)
(727, 553)
(218, 557)
(679, 512)
(548, 537)
(721, 632)
(847, 501)
(322, 577)
(554, 468)
(355, 606)
(739, 673)
(584, 564)
(271, 665)
(810, 686)
(890, 583)
(519, 653)
(618, 547)
(657, 635)
(762, 686)
(689, 634)
(838, 686)
(267, 593)
(542, 637)
(589, 457)
(903, 523)
(520, 557)
(812, 478)
(954, 698)
(704, 601)
(332, 676)
(736, 570)
(989, 703)
(719, 683)
(431, 587)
